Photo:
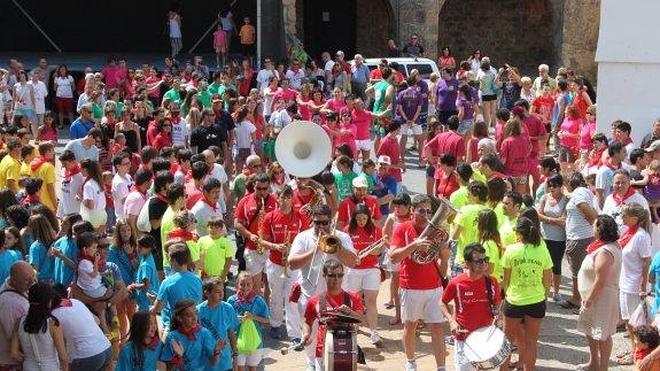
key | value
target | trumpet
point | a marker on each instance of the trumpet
(328, 244)
(371, 248)
(261, 248)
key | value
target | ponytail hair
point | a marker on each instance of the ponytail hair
(528, 231)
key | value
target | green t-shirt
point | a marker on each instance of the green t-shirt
(269, 149)
(499, 211)
(493, 254)
(527, 264)
(120, 106)
(172, 95)
(380, 91)
(205, 98)
(167, 226)
(467, 220)
(459, 198)
(213, 88)
(216, 253)
(508, 230)
(97, 112)
(371, 182)
(479, 177)
(344, 184)
(238, 186)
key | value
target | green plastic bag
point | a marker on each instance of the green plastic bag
(248, 337)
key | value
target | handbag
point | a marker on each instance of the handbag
(143, 221)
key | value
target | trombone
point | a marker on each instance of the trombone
(371, 248)
(329, 244)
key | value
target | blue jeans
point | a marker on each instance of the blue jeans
(97, 362)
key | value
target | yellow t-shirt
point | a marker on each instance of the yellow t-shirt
(10, 169)
(25, 172)
(527, 264)
(46, 172)
(215, 253)
(467, 220)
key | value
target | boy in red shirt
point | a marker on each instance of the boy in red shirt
(476, 297)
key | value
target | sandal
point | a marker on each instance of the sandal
(567, 304)
(394, 322)
(389, 305)
(626, 360)
(623, 354)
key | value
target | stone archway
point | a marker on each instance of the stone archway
(375, 24)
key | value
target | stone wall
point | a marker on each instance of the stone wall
(375, 25)
(518, 32)
(577, 49)
(420, 17)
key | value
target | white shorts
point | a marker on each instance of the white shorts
(415, 129)
(96, 293)
(628, 303)
(97, 217)
(421, 304)
(388, 265)
(357, 280)
(460, 360)
(253, 359)
(255, 263)
(364, 144)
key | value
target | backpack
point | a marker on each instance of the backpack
(143, 221)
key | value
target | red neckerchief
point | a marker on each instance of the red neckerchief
(153, 343)
(597, 159)
(628, 235)
(136, 189)
(597, 244)
(212, 205)
(75, 169)
(37, 162)
(608, 163)
(191, 332)
(162, 198)
(626, 141)
(30, 199)
(182, 234)
(65, 303)
(244, 298)
(619, 200)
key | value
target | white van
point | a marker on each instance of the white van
(425, 66)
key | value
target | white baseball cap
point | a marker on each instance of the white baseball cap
(384, 159)
(360, 182)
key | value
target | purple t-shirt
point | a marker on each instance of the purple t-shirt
(423, 89)
(446, 93)
(468, 110)
(409, 100)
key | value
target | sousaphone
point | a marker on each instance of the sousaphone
(303, 149)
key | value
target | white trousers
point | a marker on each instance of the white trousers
(279, 300)
(310, 350)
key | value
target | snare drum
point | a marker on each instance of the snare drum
(340, 349)
(487, 348)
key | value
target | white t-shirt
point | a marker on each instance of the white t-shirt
(134, 203)
(638, 248)
(244, 131)
(69, 188)
(612, 209)
(268, 100)
(577, 226)
(180, 133)
(92, 191)
(306, 241)
(203, 213)
(83, 336)
(63, 87)
(262, 78)
(23, 97)
(88, 283)
(295, 78)
(121, 187)
(40, 94)
(328, 66)
(280, 118)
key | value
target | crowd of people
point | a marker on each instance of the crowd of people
(170, 178)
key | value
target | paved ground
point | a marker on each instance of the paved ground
(561, 347)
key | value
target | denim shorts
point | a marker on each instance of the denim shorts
(465, 126)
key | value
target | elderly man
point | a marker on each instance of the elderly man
(622, 194)
(82, 124)
(544, 78)
(13, 305)
(359, 76)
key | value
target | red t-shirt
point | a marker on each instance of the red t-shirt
(347, 206)
(535, 128)
(447, 185)
(362, 121)
(514, 153)
(279, 227)
(412, 275)
(152, 131)
(361, 240)
(162, 140)
(331, 302)
(289, 95)
(447, 142)
(471, 301)
(300, 200)
(389, 146)
(543, 107)
(336, 104)
(246, 213)
(376, 74)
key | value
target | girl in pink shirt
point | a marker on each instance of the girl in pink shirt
(586, 133)
(514, 152)
(569, 137)
(220, 45)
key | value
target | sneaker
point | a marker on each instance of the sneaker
(411, 366)
(449, 340)
(275, 333)
(556, 297)
(297, 344)
(376, 340)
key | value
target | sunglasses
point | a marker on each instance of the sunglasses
(335, 275)
(321, 222)
(480, 261)
(261, 188)
(255, 166)
(424, 211)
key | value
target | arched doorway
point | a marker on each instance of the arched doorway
(329, 26)
(375, 25)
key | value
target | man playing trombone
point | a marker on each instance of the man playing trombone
(309, 250)
(423, 265)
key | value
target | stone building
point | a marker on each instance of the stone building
(521, 32)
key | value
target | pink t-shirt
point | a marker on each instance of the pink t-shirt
(219, 39)
(288, 95)
(586, 133)
(390, 147)
(572, 127)
(336, 105)
(304, 110)
(110, 76)
(514, 153)
(362, 121)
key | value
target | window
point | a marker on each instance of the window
(424, 69)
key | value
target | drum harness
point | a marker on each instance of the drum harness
(346, 301)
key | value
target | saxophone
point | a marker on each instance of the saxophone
(317, 197)
(261, 247)
(285, 254)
